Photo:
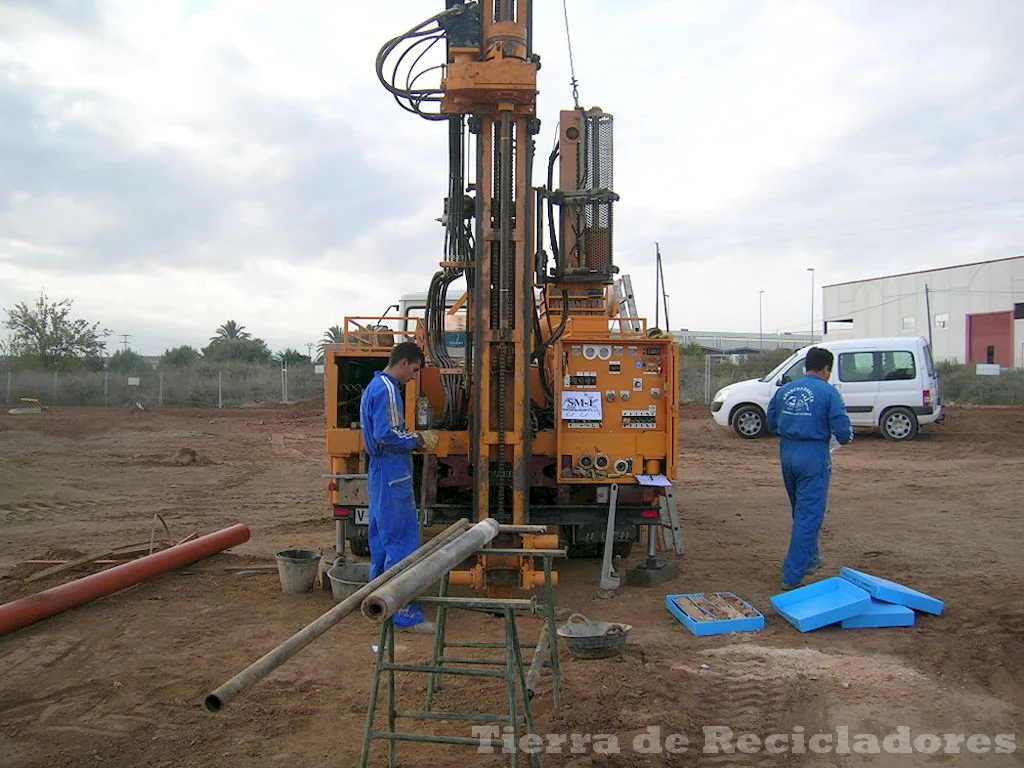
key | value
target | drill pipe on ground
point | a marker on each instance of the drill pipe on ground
(385, 601)
(27, 610)
(278, 656)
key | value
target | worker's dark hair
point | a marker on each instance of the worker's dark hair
(818, 359)
(407, 350)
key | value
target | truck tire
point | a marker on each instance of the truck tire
(360, 546)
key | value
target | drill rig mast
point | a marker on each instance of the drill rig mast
(561, 402)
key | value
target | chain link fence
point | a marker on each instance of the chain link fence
(231, 386)
(228, 386)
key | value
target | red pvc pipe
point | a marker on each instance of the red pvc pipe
(21, 613)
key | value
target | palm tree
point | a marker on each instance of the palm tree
(333, 335)
(231, 330)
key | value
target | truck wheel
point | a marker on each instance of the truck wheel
(899, 424)
(360, 546)
(749, 422)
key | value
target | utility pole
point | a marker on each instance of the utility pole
(124, 340)
(811, 270)
(760, 323)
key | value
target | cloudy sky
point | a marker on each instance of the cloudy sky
(173, 164)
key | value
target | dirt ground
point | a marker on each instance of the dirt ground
(120, 681)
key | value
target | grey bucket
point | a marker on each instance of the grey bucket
(297, 569)
(347, 578)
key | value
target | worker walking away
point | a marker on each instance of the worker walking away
(394, 530)
(806, 413)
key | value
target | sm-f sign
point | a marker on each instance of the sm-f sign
(581, 406)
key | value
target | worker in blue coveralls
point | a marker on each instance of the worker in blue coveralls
(805, 413)
(394, 529)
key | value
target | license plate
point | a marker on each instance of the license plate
(361, 515)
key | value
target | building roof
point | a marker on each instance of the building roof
(923, 271)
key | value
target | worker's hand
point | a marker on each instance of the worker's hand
(429, 439)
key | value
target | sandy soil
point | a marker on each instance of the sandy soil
(121, 681)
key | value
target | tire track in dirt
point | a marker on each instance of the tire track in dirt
(746, 699)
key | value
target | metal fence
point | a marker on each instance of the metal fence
(225, 387)
(232, 386)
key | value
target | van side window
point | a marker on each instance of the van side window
(858, 366)
(898, 366)
(795, 371)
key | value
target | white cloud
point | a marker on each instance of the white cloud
(238, 158)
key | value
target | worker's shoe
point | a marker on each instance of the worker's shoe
(815, 566)
(423, 628)
(786, 587)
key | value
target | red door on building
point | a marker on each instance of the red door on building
(990, 338)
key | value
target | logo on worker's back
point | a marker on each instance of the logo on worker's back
(797, 401)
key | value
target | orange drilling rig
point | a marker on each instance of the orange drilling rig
(561, 407)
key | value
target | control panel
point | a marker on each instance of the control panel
(615, 415)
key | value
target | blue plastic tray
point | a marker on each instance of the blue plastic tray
(881, 615)
(891, 592)
(708, 624)
(822, 603)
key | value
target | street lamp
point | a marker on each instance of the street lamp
(760, 324)
(811, 270)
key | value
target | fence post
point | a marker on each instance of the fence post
(707, 379)
(8, 387)
(220, 389)
(55, 386)
(106, 374)
(160, 392)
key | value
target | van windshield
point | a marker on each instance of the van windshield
(784, 365)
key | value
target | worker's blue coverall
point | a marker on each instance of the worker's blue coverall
(805, 413)
(394, 528)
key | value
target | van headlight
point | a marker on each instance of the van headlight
(720, 395)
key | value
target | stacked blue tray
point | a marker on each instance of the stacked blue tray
(853, 600)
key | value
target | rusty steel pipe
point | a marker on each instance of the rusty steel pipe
(271, 660)
(27, 610)
(398, 592)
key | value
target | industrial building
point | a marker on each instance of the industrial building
(972, 313)
(742, 343)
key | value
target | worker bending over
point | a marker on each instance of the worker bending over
(805, 414)
(394, 529)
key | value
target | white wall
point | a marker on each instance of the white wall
(896, 305)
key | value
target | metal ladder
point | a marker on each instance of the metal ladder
(627, 304)
(670, 519)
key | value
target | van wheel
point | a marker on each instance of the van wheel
(749, 422)
(899, 424)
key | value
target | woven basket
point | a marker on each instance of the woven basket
(587, 639)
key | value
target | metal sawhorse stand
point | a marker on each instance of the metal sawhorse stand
(518, 683)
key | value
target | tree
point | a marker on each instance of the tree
(126, 361)
(45, 335)
(291, 357)
(231, 331)
(333, 335)
(179, 357)
(237, 349)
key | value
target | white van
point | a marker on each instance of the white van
(889, 384)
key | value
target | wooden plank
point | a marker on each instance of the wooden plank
(68, 566)
(191, 536)
(251, 568)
